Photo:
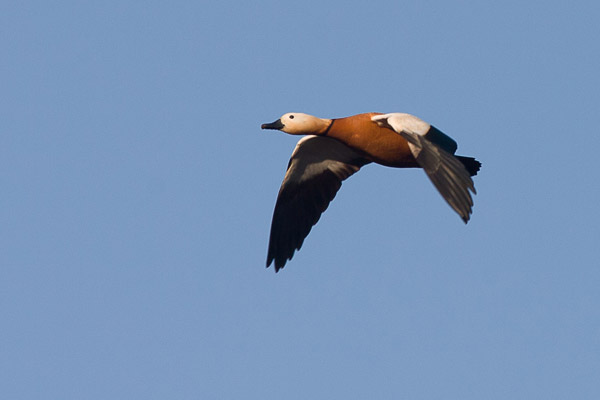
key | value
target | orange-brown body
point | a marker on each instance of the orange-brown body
(378, 144)
(319, 164)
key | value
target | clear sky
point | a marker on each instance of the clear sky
(137, 191)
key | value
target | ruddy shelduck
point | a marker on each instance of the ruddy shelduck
(337, 148)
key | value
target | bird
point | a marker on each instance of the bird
(334, 149)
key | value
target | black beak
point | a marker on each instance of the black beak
(273, 125)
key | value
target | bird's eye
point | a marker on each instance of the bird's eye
(291, 117)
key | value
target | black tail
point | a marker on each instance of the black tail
(471, 164)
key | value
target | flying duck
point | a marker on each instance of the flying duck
(337, 148)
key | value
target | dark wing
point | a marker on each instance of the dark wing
(448, 174)
(315, 173)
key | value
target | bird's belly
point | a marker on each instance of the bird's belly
(382, 146)
(378, 144)
(391, 151)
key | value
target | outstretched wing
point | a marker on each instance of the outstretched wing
(314, 175)
(434, 152)
(448, 174)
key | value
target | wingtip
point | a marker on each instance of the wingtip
(275, 266)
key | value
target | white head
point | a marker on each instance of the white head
(299, 124)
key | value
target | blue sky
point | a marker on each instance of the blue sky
(138, 190)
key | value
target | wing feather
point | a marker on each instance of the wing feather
(315, 173)
(446, 172)
(434, 152)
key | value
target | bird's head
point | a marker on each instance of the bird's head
(299, 124)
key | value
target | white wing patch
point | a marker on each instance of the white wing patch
(402, 122)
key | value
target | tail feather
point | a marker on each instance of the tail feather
(471, 164)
